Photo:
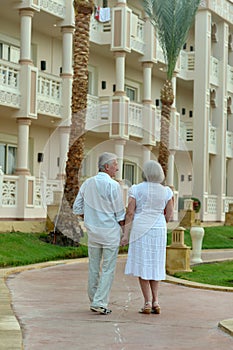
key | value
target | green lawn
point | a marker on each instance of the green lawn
(220, 274)
(28, 248)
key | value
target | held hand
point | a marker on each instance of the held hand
(124, 240)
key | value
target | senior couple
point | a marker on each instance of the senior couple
(143, 226)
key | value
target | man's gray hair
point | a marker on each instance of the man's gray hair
(153, 172)
(106, 158)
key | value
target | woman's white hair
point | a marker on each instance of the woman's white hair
(106, 158)
(153, 172)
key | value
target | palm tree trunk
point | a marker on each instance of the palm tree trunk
(66, 222)
(167, 99)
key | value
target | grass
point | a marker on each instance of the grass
(220, 274)
(215, 237)
(17, 249)
(27, 248)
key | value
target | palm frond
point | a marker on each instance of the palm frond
(172, 20)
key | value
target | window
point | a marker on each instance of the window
(8, 156)
(9, 52)
(133, 89)
(129, 173)
(131, 93)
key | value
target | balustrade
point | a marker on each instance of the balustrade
(9, 84)
(212, 139)
(229, 144)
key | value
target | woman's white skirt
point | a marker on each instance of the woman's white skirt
(147, 255)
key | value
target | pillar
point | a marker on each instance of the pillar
(25, 36)
(170, 173)
(148, 116)
(147, 73)
(119, 151)
(202, 107)
(174, 91)
(219, 120)
(146, 153)
(120, 73)
(67, 45)
(23, 144)
(64, 132)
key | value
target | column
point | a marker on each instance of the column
(25, 36)
(170, 173)
(147, 73)
(174, 91)
(119, 151)
(64, 132)
(201, 103)
(219, 120)
(146, 152)
(23, 143)
(148, 116)
(67, 45)
(120, 73)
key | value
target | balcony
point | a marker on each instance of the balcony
(49, 92)
(214, 71)
(186, 136)
(99, 117)
(186, 65)
(230, 79)
(54, 7)
(49, 95)
(212, 139)
(100, 33)
(26, 197)
(9, 84)
(229, 144)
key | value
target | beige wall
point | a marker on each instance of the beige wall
(48, 49)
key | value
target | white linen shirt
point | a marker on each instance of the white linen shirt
(100, 200)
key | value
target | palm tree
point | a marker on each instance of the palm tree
(172, 20)
(67, 226)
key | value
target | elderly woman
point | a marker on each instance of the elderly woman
(150, 207)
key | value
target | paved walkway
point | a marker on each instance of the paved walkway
(51, 306)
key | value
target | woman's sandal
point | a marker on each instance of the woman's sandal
(156, 308)
(146, 309)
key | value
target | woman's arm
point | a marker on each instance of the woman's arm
(128, 220)
(169, 210)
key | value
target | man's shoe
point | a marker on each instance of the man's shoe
(101, 310)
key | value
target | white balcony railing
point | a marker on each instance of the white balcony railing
(54, 7)
(10, 201)
(186, 135)
(138, 36)
(9, 84)
(212, 139)
(99, 116)
(49, 95)
(135, 120)
(230, 79)
(229, 144)
(214, 71)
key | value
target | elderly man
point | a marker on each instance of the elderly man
(100, 201)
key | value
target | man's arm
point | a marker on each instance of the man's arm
(128, 220)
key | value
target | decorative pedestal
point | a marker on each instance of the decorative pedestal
(178, 254)
(229, 216)
(197, 234)
(187, 215)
